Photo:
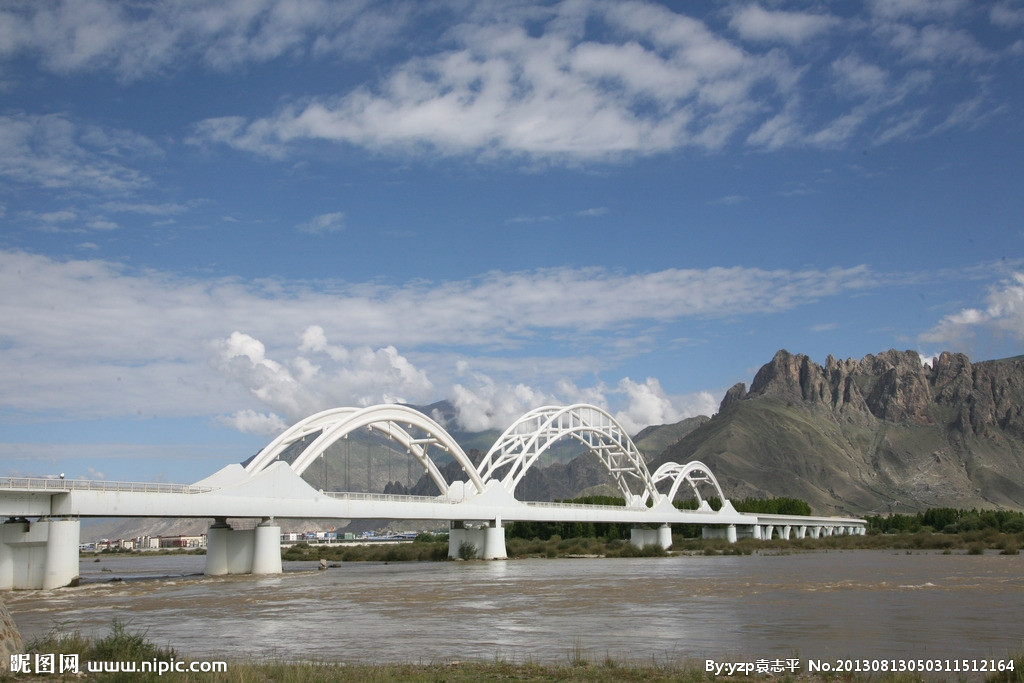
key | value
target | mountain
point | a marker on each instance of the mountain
(881, 434)
(654, 440)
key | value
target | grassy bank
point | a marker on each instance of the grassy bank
(121, 644)
(436, 548)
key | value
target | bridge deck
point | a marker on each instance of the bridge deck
(77, 498)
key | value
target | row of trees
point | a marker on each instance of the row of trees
(949, 521)
(613, 531)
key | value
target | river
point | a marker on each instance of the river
(859, 604)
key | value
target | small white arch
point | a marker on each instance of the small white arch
(391, 419)
(527, 438)
(692, 473)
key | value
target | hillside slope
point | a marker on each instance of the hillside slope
(881, 434)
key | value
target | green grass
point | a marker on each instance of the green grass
(121, 644)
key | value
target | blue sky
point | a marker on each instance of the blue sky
(219, 218)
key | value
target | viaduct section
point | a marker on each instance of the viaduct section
(39, 541)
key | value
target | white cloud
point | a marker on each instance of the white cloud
(935, 44)
(599, 81)
(501, 89)
(755, 23)
(1002, 316)
(251, 422)
(298, 386)
(1007, 15)
(488, 405)
(51, 151)
(647, 404)
(580, 81)
(134, 41)
(90, 338)
(917, 9)
(855, 77)
(483, 403)
(323, 224)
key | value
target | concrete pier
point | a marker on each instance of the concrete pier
(489, 540)
(243, 551)
(42, 554)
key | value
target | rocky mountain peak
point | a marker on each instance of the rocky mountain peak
(895, 386)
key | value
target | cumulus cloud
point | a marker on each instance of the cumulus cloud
(249, 421)
(327, 375)
(646, 404)
(1002, 316)
(91, 338)
(483, 403)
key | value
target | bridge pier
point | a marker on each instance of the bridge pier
(243, 551)
(662, 536)
(489, 541)
(42, 554)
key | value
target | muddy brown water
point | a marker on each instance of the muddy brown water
(857, 604)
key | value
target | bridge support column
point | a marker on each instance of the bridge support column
(728, 532)
(456, 537)
(785, 532)
(217, 548)
(662, 536)
(489, 541)
(41, 554)
(815, 531)
(494, 541)
(243, 551)
(266, 552)
(801, 531)
(665, 536)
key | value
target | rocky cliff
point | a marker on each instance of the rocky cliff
(879, 434)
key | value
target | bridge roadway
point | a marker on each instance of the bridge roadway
(44, 554)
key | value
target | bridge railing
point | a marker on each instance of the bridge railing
(31, 484)
(580, 506)
(389, 497)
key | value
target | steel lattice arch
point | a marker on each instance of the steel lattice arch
(396, 421)
(517, 450)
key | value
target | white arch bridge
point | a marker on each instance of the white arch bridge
(44, 553)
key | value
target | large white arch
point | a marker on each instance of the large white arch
(527, 438)
(692, 473)
(393, 420)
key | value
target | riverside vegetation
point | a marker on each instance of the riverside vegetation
(946, 529)
(123, 645)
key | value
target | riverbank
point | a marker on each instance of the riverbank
(435, 547)
(974, 542)
(131, 649)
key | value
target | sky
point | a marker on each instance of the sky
(219, 218)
